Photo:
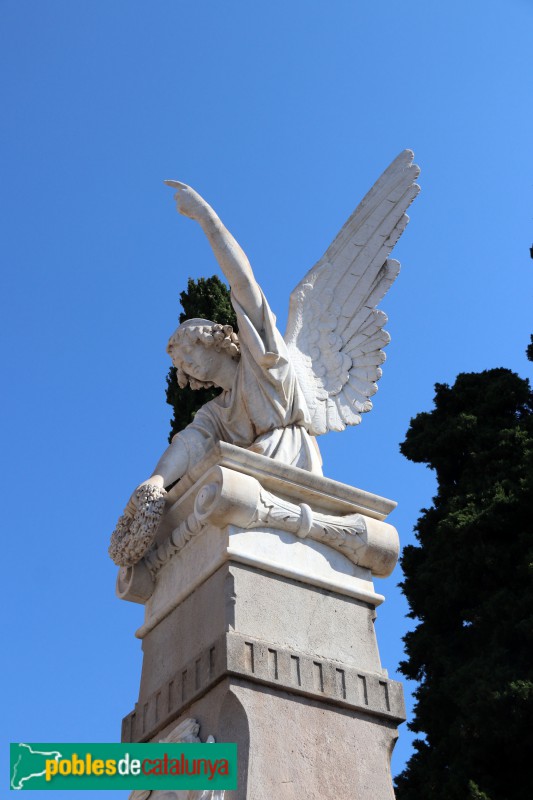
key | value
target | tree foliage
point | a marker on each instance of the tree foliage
(208, 298)
(468, 583)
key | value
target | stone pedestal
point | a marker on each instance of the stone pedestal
(260, 610)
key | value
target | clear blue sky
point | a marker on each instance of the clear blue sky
(282, 114)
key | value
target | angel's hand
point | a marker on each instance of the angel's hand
(189, 202)
(132, 505)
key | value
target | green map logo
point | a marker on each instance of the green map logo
(123, 766)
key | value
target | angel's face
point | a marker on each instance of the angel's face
(195, 359)
(204, 364)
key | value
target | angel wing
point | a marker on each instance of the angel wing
(334, 330)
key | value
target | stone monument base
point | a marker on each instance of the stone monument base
(260, 610)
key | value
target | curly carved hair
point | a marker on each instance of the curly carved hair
(209, 334)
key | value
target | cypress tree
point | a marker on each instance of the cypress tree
(208, 298)
(468, 584)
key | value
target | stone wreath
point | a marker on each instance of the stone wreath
(134, 535)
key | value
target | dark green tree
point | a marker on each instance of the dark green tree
(469, 585)
(208, 298)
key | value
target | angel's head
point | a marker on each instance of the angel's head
(204, 353)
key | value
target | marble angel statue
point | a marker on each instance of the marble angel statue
(280, 392)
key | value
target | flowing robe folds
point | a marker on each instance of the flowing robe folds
(265, 410)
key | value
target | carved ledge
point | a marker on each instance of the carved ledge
(237, 656)
(234, 490)
(324, 494)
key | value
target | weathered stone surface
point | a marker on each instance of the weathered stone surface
(292, 747)
(267, 664)
(260, 605)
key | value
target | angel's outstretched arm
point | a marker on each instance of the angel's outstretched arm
(229, 254)
(171, 466)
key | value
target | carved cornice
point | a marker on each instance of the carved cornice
(238, 656)
(226, 497)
